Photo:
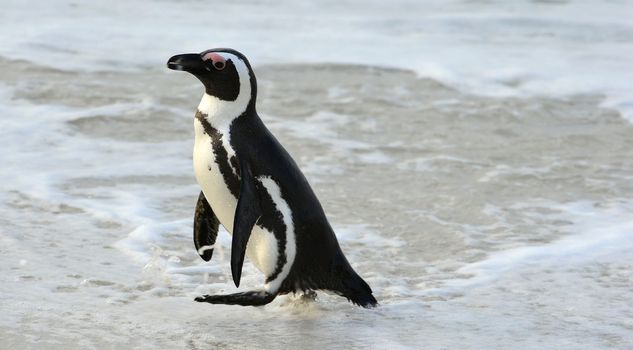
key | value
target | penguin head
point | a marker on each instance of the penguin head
(225, 73)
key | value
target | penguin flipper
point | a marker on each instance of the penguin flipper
(205, 228)
(252, 298)
(246, 215)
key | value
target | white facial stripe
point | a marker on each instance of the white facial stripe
(291, 246)
(220, 114)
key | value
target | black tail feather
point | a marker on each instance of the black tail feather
(252, 298)
(346, 282)
(356, 290)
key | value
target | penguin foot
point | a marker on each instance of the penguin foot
(307, 296)
(252, 298)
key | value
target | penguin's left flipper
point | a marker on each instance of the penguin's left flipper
(252, 298)
(246, 215)
(205, 228)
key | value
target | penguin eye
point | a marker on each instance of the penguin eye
(218, 62)
(219, 65)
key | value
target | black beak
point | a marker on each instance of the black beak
(189, 62)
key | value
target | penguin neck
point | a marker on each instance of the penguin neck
(220, 113)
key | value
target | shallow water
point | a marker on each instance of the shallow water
(481, 220)
(475, 220)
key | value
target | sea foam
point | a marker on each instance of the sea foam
(499, 49)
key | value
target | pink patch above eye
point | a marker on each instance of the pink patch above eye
(214, 57)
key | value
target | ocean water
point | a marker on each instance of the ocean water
(474, 158)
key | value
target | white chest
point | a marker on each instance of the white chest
(262, 245)
(210, 179)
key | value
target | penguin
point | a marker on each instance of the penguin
(252, 186)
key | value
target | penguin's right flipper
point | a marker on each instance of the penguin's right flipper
(205, 228)
(252, 298)
(247, 213)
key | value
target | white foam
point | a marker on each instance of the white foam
(598, 231)
(195, 270)
(520, 48)
(322, 127)
(367, 235)
(139, 241)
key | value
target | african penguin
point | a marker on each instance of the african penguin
(252, 186)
